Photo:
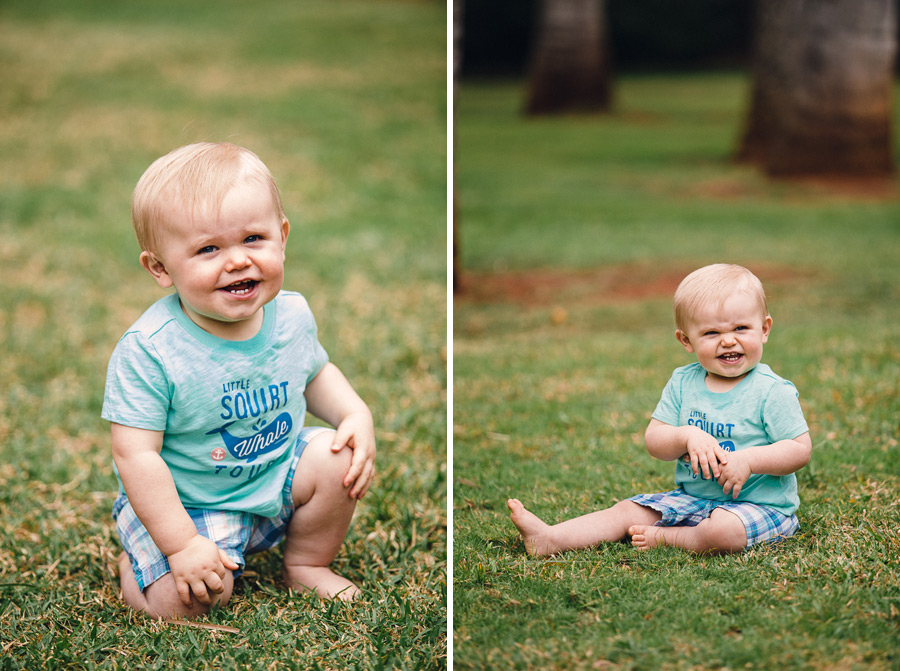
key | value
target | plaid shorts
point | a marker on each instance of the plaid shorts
(679, 509)
(237, 533)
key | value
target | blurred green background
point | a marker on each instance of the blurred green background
(345, 102)
(574, 231)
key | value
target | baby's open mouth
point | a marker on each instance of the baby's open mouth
(731, 357)
(241, 288)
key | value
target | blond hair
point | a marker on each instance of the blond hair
(191, 178)
(713, 284)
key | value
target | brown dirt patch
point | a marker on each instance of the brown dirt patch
(877, 189)
(545, 287)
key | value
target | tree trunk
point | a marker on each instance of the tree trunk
(570, 62)
(822, 78)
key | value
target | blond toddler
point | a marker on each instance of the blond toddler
(207, 395)
(734, 428)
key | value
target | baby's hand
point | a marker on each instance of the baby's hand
(200, 568)
(705, 455)
(357, 432)
(735, 473)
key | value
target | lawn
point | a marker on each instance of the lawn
(574, 233)
(345, 102)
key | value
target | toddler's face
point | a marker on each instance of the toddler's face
(225, 266)
(728, 339)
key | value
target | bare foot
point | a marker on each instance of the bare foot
(645, 537)
(321, 580)
(534, 531)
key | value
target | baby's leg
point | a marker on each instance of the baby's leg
(588, 530)
(720, 533)
(160, 599)
(320, 522)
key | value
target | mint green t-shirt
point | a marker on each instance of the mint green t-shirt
(761, 409)
(230, 412)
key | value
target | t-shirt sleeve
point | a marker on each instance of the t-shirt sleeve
(319, 355)
(306, 328)
(137, 389)
(782, 415)
(668, 410)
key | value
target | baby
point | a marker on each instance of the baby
(207, 395)
(734, 428)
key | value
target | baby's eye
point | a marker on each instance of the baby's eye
(741, 328)
(209, 249)
(711, 333)
(252, 238)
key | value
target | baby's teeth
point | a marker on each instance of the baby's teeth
(239, 288)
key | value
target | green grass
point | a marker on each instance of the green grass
(345, 103)
(553, 388)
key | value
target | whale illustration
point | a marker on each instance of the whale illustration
(270, 437)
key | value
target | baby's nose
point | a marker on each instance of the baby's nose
(237, 259)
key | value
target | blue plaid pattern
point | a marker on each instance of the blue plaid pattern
(237, 533)
(763, 524)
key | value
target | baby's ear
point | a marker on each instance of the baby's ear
(285, 232)
(154, 265)
(683, 339)
(766, 328)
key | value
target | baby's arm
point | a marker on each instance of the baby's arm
(781, 458)
(197, 564)
(667, 442)
(331, 397)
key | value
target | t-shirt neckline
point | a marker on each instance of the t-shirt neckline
(255, 343)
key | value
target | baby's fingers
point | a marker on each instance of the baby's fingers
(184, 591)
(342, 435)
(361, 486)
(695, 464)
(201, 593)
(730, 484)
(707, 468)
(721, 455)
(359, 475)
(712, 469)
(227, 561)
(214, 584)
(357, 463)
(725, 482)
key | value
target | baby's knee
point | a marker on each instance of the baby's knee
(631, 512)
(319, 455)
(725, 533)
(320, 468)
